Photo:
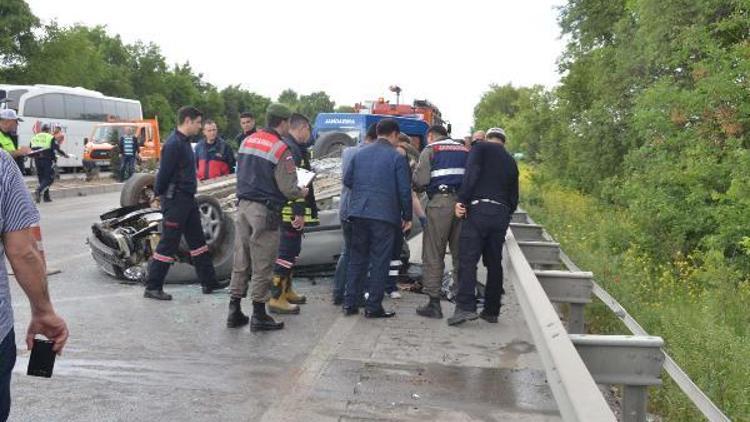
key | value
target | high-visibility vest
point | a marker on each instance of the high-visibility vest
(6, 143)
(42, 140)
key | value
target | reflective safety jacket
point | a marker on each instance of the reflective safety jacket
(303, 206)
(6, 143)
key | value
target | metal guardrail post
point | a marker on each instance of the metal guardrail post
(573, 288)
(575, 391)
(523, 231)
(541, 252)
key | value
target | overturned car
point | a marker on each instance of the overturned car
(124, 239)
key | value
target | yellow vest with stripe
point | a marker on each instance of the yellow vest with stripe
(42, 140)
(6, 143)
(287, 215)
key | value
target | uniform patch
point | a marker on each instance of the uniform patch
(289, 165)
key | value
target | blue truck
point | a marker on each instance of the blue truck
(335, 131)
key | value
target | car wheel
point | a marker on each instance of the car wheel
(332, 144)
(139, 190)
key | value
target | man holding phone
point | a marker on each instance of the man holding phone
(19, 221)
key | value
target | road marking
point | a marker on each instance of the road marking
(302, 382)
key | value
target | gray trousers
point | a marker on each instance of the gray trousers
(443, 229)
(255, 247)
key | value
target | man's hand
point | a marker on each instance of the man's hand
(20, 151)
(49, 325)
(305, 191)
(405, 226)
(460, 210)
(299, 222)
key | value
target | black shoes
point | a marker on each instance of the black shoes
(492, 319)
(264, 322)
(236, 318)
(350, 311)
(210, 288)
(460, 316)
(380, 313)
(431, 310)
(157, 294)
(337, 301)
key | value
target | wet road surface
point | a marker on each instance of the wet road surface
(131, 359)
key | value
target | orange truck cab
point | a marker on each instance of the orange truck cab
(106, 136)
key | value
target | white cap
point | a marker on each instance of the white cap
(495, 131)
(9, 114)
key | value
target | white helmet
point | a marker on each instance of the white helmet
(496, 131)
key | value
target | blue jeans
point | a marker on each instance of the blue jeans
(339, 278)
(127, 166)
(7, 362)
(371, 248)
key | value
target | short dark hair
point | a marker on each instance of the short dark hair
(372, 133)
(387, 127)
(188, 112)
(437, 130)
(275, 121)
(247, 115)
(296, 120)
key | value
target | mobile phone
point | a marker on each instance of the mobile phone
(42, 359)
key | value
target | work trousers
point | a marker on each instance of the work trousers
(395, 265)
(256, 245)
(371, 248)
(180, 218)
(290, 246)
(45, 173)
(443, 229)
(482, 234)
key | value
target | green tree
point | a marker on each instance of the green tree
(16, 31)
(317, 102)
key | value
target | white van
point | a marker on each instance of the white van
(75, 110)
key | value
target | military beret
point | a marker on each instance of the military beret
(278, 110)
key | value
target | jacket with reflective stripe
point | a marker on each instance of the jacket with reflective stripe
(302, 206)
(257, 158)
(448, 164)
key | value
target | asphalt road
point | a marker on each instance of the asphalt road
(132, 359)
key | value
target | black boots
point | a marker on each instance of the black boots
(216, 285)
(157, 294)
(236, 318)
(261, 321)
(431, 309)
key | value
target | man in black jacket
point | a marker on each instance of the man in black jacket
(487, 199)
(176, 185)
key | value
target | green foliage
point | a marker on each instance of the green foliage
(344, 109)
(16, 26)
(309, 105)
(641, 157)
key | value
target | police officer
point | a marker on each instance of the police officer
(296, 215)
(8, 141)
(487, 199)
(266, 180)
(46, 149)
(440, 171)
(176, 185)
(129, 150)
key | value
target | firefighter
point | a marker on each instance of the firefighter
(214, 158)
(129, 149)
(440, 172)
(487, 199)
(296, 215)
(46, 149)
(266, 180)
(176, 185)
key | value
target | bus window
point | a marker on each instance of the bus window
(109, 108)
(122, 110)
(134, 111)
(54, 106)
(74, 107)
(33, 107)
(92, 109)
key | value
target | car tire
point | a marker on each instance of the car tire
(331, 144)
(139, 190)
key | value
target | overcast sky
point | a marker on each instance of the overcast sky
(448, 52)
